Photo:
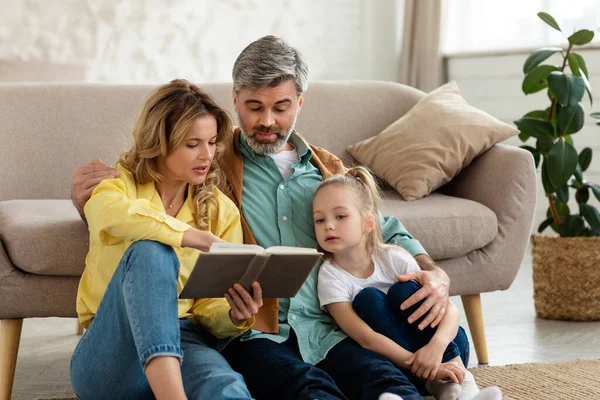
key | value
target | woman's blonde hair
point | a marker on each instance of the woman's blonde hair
(367, 197)
(165, 119)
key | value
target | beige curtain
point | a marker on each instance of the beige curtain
(421, 64)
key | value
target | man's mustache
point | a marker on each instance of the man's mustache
(267, 130)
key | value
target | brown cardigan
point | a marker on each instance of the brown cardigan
(232, 165)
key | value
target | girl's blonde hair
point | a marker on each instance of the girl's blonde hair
(165, 119)
(367, 196)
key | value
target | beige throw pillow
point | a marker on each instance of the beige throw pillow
(431, 143)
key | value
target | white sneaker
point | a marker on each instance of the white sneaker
(389, 396)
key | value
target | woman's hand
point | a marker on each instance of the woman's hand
(243, 306)
(425, 362)
(201, 240)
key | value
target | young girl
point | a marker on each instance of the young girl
(357, 285)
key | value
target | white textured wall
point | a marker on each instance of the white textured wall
(150, 41)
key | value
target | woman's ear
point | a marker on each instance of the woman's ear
(369, 223)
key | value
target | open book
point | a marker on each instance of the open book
(280, 270)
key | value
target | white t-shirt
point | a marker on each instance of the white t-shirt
(336, 285)
(284, 161)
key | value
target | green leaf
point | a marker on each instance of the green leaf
(591, 215)
(543, 145)
(596, 190)
(578, 68)
(562, 161)
(595, 115)
(535, 153)
(578, 174)
(588, 88)
(568, 89)
(541, 114)
(562, 193)
(535, 127)
(585, 158)
(571, 118)
(577, 65)
(536, 79)
(538, 56)
(545, 224)
(582, 195)
(569, 139)
(548, 186)
(549, 19)
(523, 136)
(571, 226)
(581, 37)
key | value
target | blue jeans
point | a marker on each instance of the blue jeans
(137, 321)
(383, 314)
(276, 371)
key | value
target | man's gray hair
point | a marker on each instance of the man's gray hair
(268, 62)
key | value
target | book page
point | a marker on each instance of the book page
(230, 248)
(291, 250)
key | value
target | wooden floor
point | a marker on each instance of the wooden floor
(514, 335)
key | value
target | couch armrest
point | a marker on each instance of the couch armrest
(504, 180)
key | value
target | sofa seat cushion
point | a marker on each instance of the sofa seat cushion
(446, 226)
(47, 237)
(44, 237)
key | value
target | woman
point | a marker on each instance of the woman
(147, 228)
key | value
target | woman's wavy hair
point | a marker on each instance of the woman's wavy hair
(166, 117)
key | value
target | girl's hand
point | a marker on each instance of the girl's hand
(425, 362)
(243, 306)
(451, 371)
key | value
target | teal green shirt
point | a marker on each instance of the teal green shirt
(279, 213)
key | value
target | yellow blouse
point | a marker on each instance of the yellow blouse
(121, 212)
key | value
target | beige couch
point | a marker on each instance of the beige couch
(476, 227)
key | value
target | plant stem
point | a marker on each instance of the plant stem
(552, 107)
(554, 212)
(562, 69)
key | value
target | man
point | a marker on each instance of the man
(295, 349)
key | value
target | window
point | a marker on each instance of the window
(485, 25)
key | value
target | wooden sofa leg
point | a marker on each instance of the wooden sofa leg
(10, 336)
(472, 305)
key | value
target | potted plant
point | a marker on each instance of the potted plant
(566, 269)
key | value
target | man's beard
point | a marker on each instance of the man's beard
(266, 147)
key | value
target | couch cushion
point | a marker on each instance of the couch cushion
(446, 226)
(44, 237)
(428, 146)
(47, 237)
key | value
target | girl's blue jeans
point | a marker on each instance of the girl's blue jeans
(137, 321)
(383, 314)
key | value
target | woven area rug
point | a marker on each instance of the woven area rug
(567, 380)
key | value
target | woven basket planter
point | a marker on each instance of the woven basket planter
(566, 277)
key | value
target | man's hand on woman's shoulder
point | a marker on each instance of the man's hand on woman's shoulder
(435, 289)
(86, 178)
